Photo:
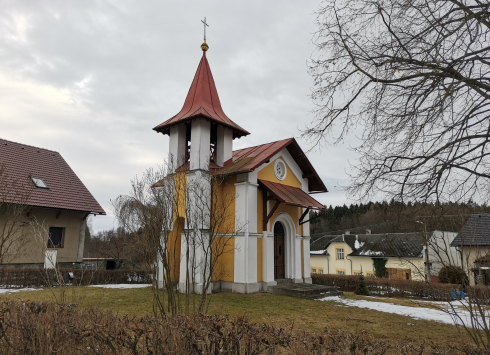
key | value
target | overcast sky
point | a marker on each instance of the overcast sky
(90, 79)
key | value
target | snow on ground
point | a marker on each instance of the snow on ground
(122, 286)
(413, 312)
(4, 291)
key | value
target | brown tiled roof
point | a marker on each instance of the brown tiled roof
(202, 101)
(248, 159)
(291, 195)
(65, 190)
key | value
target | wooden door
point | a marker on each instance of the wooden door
(278, 251)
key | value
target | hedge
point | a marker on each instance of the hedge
(390, 288)
(45, 328)
(39, 277)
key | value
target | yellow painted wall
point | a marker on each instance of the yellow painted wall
(224, 208)
(259, 260)
(267, 173)
(339, 264)
(173, 246)
(470, 254)
(362, 263)
(181, 192)
(260, 210)
(224, 269)
(416, 265)
(320, 261)
(291, 210)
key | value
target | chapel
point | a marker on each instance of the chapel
(271, 184)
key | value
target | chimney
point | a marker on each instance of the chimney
(368, 231)
(347, 232)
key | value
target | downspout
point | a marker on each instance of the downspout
(346, 256)
(328, 264)
(350, 264)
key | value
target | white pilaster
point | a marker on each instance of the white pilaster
(200, 145)
(177, 144)
(268, 259)
(224, 145)
(197, 243)
(306, 260)
(240, 255)
(296, 258)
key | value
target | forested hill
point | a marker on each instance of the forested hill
(393, 217)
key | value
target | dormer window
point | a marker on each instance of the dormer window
(39, 183)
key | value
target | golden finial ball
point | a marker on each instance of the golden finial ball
(204, 46)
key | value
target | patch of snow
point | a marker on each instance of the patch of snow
(371, 252)
(413, 312)
(122, 286)
(317, 252)
(4, 291)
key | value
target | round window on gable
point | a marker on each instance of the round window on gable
(280, 169)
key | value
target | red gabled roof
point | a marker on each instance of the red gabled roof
(249, 159)
(291, 195)
(202, 101)
(65, 190)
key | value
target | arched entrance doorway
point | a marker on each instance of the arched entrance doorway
(279, 265)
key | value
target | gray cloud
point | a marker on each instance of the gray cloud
(91, 78)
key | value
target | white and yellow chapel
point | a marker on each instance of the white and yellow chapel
(272, 183)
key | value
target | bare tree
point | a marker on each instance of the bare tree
(169, 212)
(14, 219)
(414, 75)
(114, 244)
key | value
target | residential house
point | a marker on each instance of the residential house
(57, 202)
(349, 254)
(441, 253)
(473, 244)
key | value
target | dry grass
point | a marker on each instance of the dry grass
(279, 310)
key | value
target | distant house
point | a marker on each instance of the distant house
(474, 245)
(349, 254)
(441, 253)
(56, 199)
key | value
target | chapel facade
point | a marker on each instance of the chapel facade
(271, 184)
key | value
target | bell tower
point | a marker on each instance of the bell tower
(201, 134)
(201, 138)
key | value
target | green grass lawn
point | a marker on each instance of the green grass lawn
(302, 314)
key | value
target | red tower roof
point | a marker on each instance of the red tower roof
(202, 102)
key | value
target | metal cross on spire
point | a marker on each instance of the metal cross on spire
(205, 24)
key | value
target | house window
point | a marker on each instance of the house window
(340, 253)
(370, 274)
(357, 272)
(39, 183)
(313, 271)
(340, 272)
(56, 237)
(320, 271)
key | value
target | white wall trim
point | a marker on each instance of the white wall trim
(291, 245)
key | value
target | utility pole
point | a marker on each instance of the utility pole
(427, 265)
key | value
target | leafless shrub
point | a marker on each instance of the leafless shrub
(44, 328)
(180, 217)
(390, 288)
